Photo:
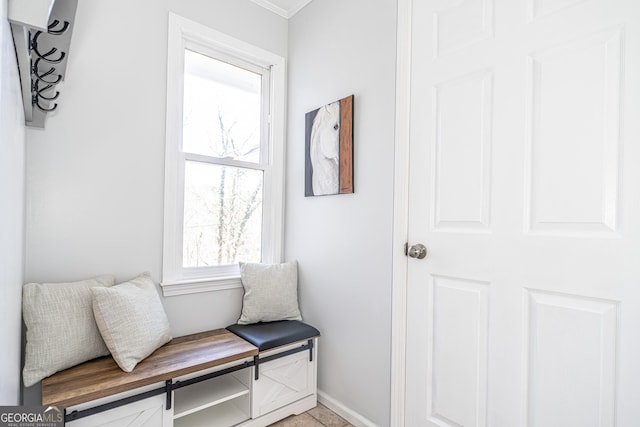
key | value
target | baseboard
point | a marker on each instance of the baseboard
(341, 409)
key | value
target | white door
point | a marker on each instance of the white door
(524, 185)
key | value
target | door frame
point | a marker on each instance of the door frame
(401, 212)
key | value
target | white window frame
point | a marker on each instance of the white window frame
(183, 34)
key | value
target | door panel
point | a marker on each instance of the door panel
(561, 329)
(574, 119)
(463, 153)
(524, 174)
(459, 343)
(457, 25)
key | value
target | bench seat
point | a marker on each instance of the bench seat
(268, 335)
(102, 377)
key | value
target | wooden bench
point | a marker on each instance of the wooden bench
(207, 378)
(181, 356)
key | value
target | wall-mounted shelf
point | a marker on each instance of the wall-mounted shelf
(42, 35)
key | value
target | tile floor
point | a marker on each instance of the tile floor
(320, 416)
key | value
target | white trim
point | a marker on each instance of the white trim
(182, 34)
(401, 213)
(206, 37)
(225, 162)
(285, 13)
(172, 193)
(297, 8)
(274, 213)
(345, 412)
(199, 285)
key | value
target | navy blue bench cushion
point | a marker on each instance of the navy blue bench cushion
(267, 335)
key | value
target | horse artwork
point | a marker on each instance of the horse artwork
(329, 149)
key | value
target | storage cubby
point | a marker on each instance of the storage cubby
(224, 415)
(220, 401)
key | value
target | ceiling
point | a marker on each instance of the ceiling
(285, 8)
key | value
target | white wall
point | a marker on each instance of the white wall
(12, 170)
(95, 175)
(343, 243)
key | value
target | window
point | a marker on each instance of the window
(224, 158)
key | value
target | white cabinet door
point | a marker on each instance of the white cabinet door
(524, 184)
(283, 381)
(144, 413)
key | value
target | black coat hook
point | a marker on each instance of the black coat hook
(36, 102)
(41, 77)
(39, 92)
(46, 93)
(65, 27)
(33, 45)
(46, 56)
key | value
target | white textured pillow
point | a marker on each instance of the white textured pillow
(270, 292)
(131, 320)
(61, 330)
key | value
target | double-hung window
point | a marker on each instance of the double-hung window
(224, 158)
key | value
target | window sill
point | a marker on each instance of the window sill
(194, 286)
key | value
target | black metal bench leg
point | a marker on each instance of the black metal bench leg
(256, 365)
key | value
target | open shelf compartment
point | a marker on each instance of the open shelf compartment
(210, 393)
(224, 414)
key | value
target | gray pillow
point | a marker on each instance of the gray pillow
(61, 330)
(131, 319)
(270, 292)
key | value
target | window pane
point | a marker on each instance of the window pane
(221, 109)
(222, 215)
